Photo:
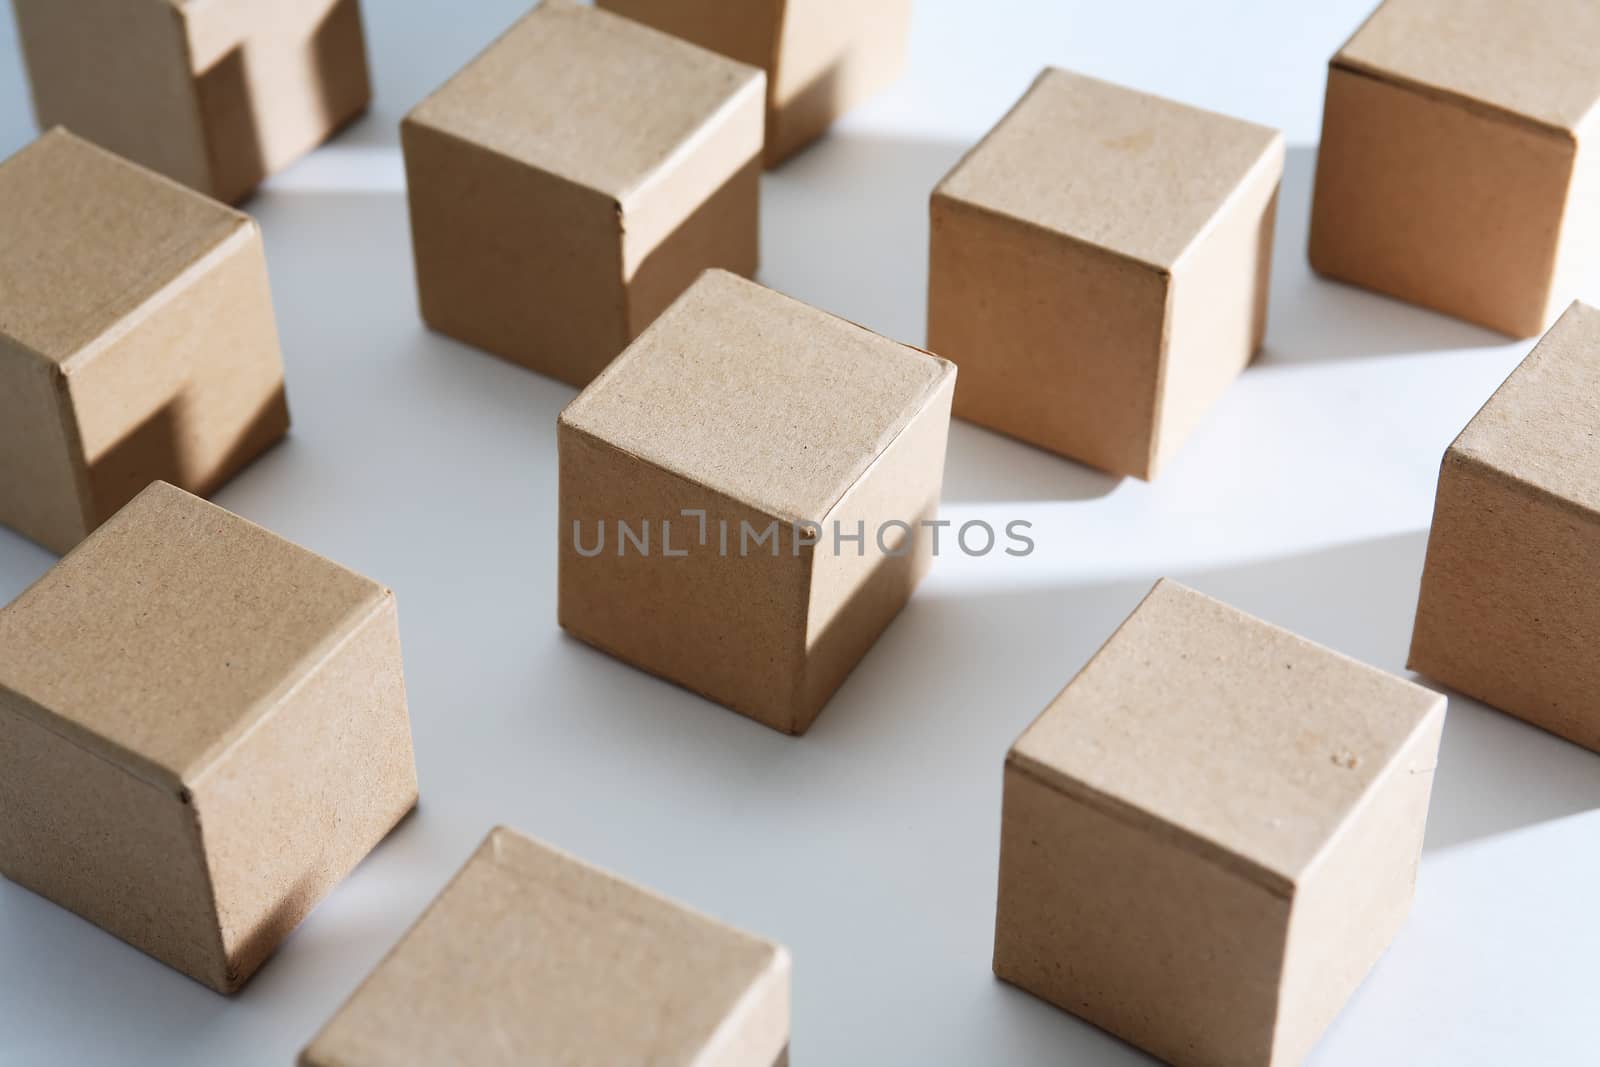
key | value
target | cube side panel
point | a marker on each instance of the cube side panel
(279, 90)
(117, 73)
(1142, 938)
(1429, 201)
(1059, 344)
(726, 620)
(193, 391)
(832, 55)
(1218, 314)
(1510, 606)
(857, 589)
(112, 848)
(42, 495)
(1356, 898)
(304, 797)
(519, 263)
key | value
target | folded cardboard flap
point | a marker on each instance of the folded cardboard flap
(532, 956)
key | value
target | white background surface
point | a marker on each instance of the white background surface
(868, 846)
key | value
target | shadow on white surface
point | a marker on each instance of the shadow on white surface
(1313, 319)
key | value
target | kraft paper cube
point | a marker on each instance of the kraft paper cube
(1212, 834)
(1457, 168)
(530, 956)
(743, 497)
(1099, 269)
(215, 95)
(1510, 605)
(575, 178)
(137, 339)
(822, 57)
(203, 729)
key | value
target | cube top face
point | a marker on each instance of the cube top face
(159, 640)
(89, 239)
(1534, 60)
(531, 956)
(758, 397)
(1117, 169)
(1542, 427)
(1249, 742)
(591, 97)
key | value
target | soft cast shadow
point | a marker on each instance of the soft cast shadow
(982, 466)
(844, 226)
(1315, 319)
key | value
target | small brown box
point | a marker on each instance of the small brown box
(822, 57)
(1510, 606)
(1212, 834)
(1455, 170)
(572, 180)
(530, 956)
(744, 495)
(137, 339)
(203, 729)
(1099, 269)
(216, 95)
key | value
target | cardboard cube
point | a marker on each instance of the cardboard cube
(203, 729)
(137, 339)
(215, 95)
(1510, 605)
(532, 956)
(1099, 268)
(822, 57)
(572, 180)
(1212, 834)
(745, 497)
(1456, 168)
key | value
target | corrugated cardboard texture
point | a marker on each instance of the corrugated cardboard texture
(758, 410)
(822, 57)
(1284, 788)
(1099, 268)
(244, 699)
(531, 956)
(137, 339)
(217, 94)
(572, 180)
(1446, 177)
(1510, 606)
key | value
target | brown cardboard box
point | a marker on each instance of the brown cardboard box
(1212, 834)
(714, 480)
(530, 956)
(822, 57)
(217, 94)
(1510, 606)
(1099, 269)
(572, 180)
(137, 339)
(1455, 169)
(203, 729)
